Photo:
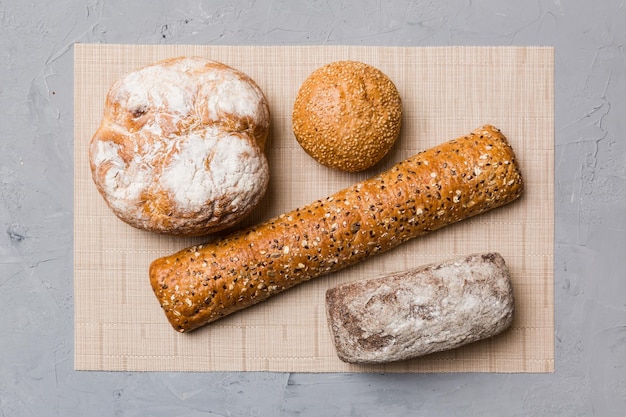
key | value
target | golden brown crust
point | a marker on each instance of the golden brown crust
(180, 147)
(435, 188)
(347, 115)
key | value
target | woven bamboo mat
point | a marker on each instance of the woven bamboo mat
(446, 92)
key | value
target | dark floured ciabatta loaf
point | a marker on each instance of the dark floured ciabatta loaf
(429, 309)
(437, 187)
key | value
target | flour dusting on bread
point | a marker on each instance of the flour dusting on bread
(193, 178)
(180, 147)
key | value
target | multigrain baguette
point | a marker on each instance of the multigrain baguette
(437, 187)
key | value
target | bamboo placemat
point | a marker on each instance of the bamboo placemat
(446, 92)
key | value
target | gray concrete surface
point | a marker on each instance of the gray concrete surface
(36, 306)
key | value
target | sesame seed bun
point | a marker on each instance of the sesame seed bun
(347, 115)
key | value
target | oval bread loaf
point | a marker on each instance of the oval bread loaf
(428, 309)
(437, 187)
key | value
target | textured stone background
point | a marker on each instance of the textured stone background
(36, 306)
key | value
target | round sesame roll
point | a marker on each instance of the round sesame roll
(347, 115)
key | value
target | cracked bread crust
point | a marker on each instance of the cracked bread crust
(180, 147)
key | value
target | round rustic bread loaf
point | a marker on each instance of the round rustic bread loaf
(180, 147)
(347, 115)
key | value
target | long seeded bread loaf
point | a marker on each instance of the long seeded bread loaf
(428, 309)
(437, 187)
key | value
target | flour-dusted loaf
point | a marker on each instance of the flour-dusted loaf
(428, 309)
(180, 147)
(347, 115)
(435, 188)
